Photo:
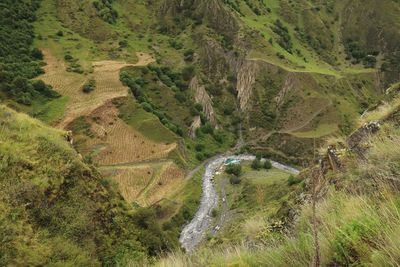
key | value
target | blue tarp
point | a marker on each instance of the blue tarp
(231, 161)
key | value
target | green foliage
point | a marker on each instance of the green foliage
(235, 169)
(214, 213)
(235, 180)
(89, 86)
(55, 210)
(267, 165)
(292, 180)
(137, 91)
(256, 164)
(106, 11)
(283, 32)
(349, 239)
(19, 62)
(188, 55)
(188, 72)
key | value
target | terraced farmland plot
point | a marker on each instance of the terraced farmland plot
(108, 85)
(131, 181)
(120, 143)
(146, 183)
(168, 182)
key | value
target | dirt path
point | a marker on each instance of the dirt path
(193, 233)
(224, 210)
(308, 121)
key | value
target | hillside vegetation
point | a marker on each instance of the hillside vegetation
(142, 93)
(58, 210)
(357, 214)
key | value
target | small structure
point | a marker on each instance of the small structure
(230, 161)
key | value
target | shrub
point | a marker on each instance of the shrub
(188, 72)
(267, 165)
(235, 169)
(293, 180)
(214, 213)
(68, 57)
(234, 180)
(89, 86)
(188, 55)
(207, 129)
(199, 147)
(200, 156)
(37, 54)
(181, 97)
(123, 43)
(256, 164)
(60, 33)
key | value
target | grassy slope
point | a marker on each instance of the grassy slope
(55, 209)
(253, 203)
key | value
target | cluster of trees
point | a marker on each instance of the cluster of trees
(19, 62)
(136, 87)
(253, 7)
(74, 65)
(106, 11)
(235, 170)
(234, 5)
(257, 164)
(357, 54)
(285, 40)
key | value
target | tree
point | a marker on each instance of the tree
(37, 54)
(267, 165)
(188, 72)
(235, 169)
(256, 164)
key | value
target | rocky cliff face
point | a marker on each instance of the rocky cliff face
(201, 96)
(246, 76)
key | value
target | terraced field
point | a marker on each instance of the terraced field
(146, 183)
(115, 142)
(108, 85)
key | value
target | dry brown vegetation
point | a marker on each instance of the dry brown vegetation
(146, 183)
(118, 143)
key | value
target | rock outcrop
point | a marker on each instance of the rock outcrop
(194, 126)
(246, 77)
(201, 96)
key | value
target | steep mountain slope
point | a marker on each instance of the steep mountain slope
(58, 210)
(349, 204)
(150, 89)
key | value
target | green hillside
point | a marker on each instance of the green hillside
(149, 91)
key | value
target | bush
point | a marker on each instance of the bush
(199, 147)
(200, 156)
(89, 86)
(60, 33)
(234, 180)
(188, 72)
(207, 129)
(256, 164)
(68, 57)
(37, 54)
(188, 54)
(235, 169)
(214, 213)
(293, 180)
(267, 165)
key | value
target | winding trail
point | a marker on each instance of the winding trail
(193, 232)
